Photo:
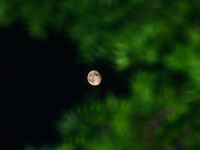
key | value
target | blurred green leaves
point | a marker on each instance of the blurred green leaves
(155, 44)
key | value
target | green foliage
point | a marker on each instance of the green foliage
(154, 45)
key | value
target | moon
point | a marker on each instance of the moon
(94, 78)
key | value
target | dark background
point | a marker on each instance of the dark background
(38, 80)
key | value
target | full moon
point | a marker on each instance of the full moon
(94, 77)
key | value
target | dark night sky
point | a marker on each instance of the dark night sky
(38, 80)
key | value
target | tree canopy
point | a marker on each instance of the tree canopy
(153, 44)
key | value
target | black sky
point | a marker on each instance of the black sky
(38, 80)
